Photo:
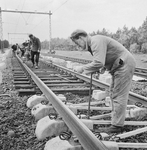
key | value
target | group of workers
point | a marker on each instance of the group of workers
(30, 49)
(110, 55)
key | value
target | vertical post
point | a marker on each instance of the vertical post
(1, 32)
(50, 31)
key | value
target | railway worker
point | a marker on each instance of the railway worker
(22, 49)
(14, 48)
(115, 58)
(35, 47)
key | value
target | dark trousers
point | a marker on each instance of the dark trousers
(22, 52)
(35, 57)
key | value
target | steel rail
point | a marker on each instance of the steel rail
(132, 96)
(141, 69)
(131, 133)
(85, 61)
(71, 59)
(87, 139)
(143, 75)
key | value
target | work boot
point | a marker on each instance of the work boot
(111, 129)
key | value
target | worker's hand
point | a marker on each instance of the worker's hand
(79, 69)
(96, 75)
(102, 70)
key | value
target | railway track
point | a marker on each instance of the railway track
(51, 80)
(141, 72)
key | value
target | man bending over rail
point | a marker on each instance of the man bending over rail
(113, 56)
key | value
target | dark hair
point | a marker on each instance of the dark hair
(77, 33)
(30, 35)
(80, 34)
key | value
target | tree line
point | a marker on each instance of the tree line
(135, 40)
(4, 44)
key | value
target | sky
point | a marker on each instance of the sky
(67, 16)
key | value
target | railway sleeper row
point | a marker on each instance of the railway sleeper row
(52, 79)
(50, 123)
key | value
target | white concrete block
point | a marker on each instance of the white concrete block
(58, 144)
(137, 78)
(47, 128)
(62, 97)
(136, 112)
(59, 61)
(35, 99)
(107, 78)
(89, 123)
(39, 111)
(104, 135)
(73, 109)
(69, 64)
(75, 65)
(111, 145)
(108, 101)
(99, 95)
(82, 116)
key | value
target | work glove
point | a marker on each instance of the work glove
(79, 69)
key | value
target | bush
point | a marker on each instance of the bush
(144, 48)
(134, 48)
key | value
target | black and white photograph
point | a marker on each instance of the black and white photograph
(73, 75)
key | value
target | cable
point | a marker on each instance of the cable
(60, 6)
(19, 16)
(24, 18)
(40, 9)
(46, 5)
(39, 23)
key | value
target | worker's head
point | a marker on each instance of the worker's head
(31, 36)
(79, 37)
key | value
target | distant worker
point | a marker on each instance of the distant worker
(14, 48)
(35, 47)
(22, 49)
(27, 52)
(110, 55)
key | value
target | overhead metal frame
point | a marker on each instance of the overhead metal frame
(28, 12)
